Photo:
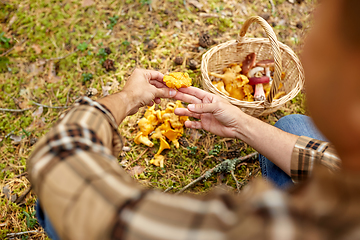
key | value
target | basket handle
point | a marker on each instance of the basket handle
(275, 49)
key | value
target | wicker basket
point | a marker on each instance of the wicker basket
(235, 51)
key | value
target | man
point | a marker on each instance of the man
(84, 194)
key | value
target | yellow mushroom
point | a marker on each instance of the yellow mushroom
(176, 143)
(221, 87)
(146, 126)
(140, 138)
(279, 95)
(150, 111)
(157, 134)
(172, 134)
(163, 145)
(158, 160)
(177, 80)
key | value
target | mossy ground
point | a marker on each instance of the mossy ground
(40, 31)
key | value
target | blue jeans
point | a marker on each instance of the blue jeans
(44, 221)
(296, 124)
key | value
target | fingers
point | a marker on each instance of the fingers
(157, 100)
(186, 112)
(196, 92)
(157, 84)
(165, 93)
(193, 124)
(203, 108)
(154, 75)
(186, 98)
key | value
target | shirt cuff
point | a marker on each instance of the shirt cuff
(309, 152)
(117, 142)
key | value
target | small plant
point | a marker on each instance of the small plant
(125, 43)
(144, 2)
(4, 40)
(87, 77)
(102, 52)
(113, 21)
(216, 150)
(31, 221)
(82, 46)
(193, 150)
(26, 132)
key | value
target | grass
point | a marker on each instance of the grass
(38, 31)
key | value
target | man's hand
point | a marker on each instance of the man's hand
(144, 87)
(216, 114)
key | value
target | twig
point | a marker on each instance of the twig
(46, 106)
(9, 50)
(137, 158)
(168, 189)
(14, 110)
(67, 97)
(59, 58)
(21, 233)
(209, 172)
(273, 9)
(236, 181)
(22, 174)
(23, 195)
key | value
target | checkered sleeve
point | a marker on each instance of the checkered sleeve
(308, 152)
(87, 195)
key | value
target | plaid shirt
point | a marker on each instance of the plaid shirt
(87, 195)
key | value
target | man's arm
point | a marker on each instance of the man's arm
(221, 118)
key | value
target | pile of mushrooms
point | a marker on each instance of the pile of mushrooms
(249, 80)
(161, 125)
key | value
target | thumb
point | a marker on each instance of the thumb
(202, 108)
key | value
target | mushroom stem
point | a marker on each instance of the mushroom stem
(259, 94)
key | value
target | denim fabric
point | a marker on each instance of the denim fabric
(296, 124)
(45, 222)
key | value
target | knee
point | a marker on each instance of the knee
(289, 121)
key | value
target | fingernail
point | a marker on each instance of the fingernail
(191, 106)
(172, 92)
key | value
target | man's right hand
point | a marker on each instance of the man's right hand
(216, 114)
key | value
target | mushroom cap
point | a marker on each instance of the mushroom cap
(266, 63)
(158, 160)
(248, 63)
(258, 80)
(163, 145)
(140, 138)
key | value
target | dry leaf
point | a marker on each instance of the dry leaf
(87, 3)
(196, 4)
(36, 48)
(15, 138)
(19, 48)
(24, 104)
(52, 78)
(194, 134)
(134, 171)
(35, 69)
(38, 112)
(37, 124)
(12, 20)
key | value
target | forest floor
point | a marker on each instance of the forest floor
(53, 52)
